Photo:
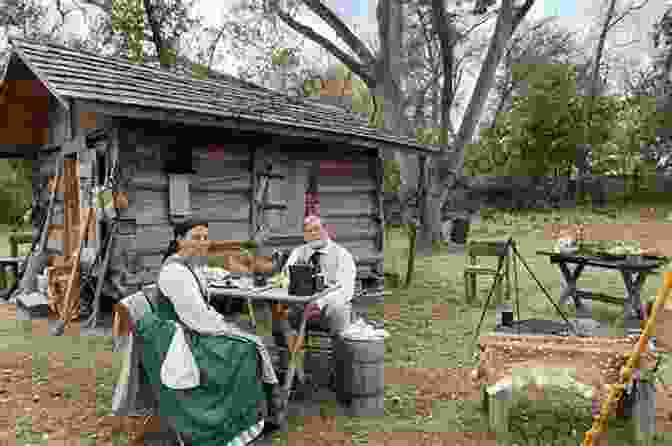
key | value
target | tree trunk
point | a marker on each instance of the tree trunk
(450, 170)
(410, 267)
(429, 206)
(387, 91)
(592, 92)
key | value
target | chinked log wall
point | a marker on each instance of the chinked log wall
(220, 192)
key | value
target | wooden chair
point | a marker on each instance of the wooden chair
(137, 426)
(472, 270)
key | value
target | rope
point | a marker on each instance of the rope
(616, 390)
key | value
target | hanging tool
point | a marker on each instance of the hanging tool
(93, 319)
(68, 305)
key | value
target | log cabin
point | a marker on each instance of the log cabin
(232, 152)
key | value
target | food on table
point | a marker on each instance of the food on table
(279, 280)
(217, 274)
(622, 248)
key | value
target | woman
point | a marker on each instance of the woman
(206, 372)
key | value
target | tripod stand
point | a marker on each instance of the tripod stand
(511, 245)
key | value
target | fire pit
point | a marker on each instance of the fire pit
(595, 361)
(583, 327)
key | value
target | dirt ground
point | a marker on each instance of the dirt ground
(55, 412)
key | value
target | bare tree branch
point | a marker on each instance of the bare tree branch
(213, 47)
(623, 45)
(625, 13)
(521, 12)
(354, 65)
(341, 30)
(155, 26)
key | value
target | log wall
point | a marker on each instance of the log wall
(221, 192)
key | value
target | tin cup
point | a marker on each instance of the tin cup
(259, 280)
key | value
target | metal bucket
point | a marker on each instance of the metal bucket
(505, 315)
(360, 375)
(459, 231)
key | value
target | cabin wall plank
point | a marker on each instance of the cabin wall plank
(295, 188)
(356, 203)
(228, 230)
(220, 206)
(152, 239)
(148, 206)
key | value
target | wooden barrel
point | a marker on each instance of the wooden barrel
(360, 375)
(459, 231)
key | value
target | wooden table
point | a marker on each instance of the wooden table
(634, 275)
(267, 294)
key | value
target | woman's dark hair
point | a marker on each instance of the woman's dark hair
(179, 232)
(172, 249)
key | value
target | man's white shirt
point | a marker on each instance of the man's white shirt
(337, 264)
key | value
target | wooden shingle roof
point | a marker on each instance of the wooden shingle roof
(74, 74)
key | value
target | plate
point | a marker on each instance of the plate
(567, 251)
(223, 284)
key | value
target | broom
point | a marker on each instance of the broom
(69, 304)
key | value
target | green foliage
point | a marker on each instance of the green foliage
(128, 18)
(199, 71)
(635, 123)
(391, 176)
(280, 56)
(168, 56)
(540, 132)
(15, 190)
(431, 136)
(248, 248)
(312, 87)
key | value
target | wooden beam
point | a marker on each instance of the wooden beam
(380, 217)
(232, 121)
(253, 187)
(38, 74)
(18, 150)
(600, 297)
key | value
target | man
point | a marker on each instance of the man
(331, 312)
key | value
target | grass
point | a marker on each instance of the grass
(416, 338)
(420, 341)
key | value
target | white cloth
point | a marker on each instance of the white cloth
(131, 398)
(179, 370)
(339, 268)
(178, 284)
